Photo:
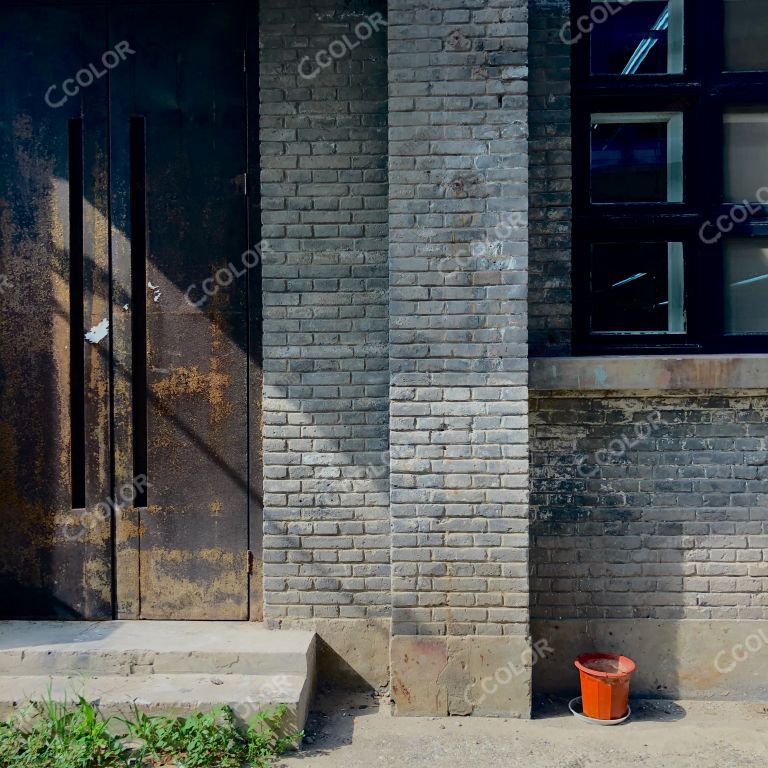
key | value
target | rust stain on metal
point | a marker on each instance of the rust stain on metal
(216, 508)
(98, 574)
(208, 583)
(27, 518)
(190, 382)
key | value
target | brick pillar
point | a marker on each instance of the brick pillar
(458, 356)
(324, 198)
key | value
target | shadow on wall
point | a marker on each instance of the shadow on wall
(38, 602)
(607, 537)
(648, 518)
(326, 372)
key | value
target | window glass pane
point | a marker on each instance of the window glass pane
(746, 35)
(746, 154)
(637, 288)
(637, 157)
(643, 37)
(746, 286)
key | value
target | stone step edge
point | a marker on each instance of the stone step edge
(176, 694)
(98, 661)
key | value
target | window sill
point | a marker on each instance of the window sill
(654, 372)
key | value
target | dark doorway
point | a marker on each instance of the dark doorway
(130, 331)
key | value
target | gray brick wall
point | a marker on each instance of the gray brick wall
(666, 520)
(324, 202)
(550, 197)
(458, 282)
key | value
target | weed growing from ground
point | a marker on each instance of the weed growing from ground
(212, 738)
(55, 735)
(60, 735)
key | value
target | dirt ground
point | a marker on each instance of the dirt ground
(351, 731)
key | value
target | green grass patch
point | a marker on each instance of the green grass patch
(76, 735)
(211, 739)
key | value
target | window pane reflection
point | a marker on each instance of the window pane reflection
(644, 37)
(637, 157)
(637, 288)
(746, 286)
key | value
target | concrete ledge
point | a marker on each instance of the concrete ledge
(476, 675)
(657, 373)
(351, 653)
(680, 659)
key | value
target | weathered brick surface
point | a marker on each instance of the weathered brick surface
(550, 185)
(458, 176)
(674, 525)
(324, 200)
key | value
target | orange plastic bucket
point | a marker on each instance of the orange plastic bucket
(605, 684)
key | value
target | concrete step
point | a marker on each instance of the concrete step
(184, 694)
(161, 666)
(146, 647)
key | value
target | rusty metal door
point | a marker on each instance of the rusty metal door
(179, 158)
(128, 352)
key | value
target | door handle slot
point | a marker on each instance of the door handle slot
(138, 202)
(76, 315)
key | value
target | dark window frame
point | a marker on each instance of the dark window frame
(702, 93)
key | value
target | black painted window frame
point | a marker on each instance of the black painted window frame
(701, 93)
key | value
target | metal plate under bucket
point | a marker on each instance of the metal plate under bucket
(575, 706)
